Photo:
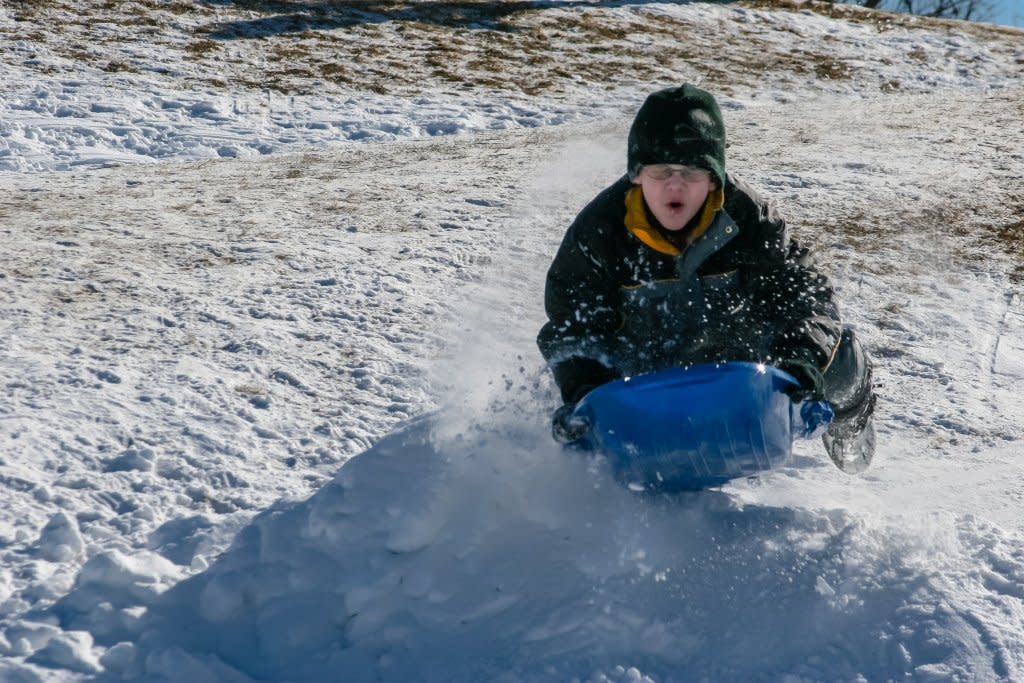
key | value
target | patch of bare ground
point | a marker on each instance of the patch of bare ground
(404, 48)
(469, 50)
(414, 48)
(1011, 239)
(530, 48)
(1005, 192)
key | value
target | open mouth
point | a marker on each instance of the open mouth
(675, 206)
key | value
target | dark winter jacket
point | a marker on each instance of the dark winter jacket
(621, 299)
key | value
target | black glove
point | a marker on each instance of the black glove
(565, 428)
(808, 374)
(577, 375)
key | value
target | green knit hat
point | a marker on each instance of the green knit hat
(678, 126)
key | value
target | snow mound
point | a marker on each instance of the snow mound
(495, 556)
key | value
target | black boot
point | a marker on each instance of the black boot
(850, 438)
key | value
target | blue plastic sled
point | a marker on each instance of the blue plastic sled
(692, 428)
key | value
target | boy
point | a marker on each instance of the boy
(679, 263)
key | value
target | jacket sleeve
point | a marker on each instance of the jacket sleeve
(805, 314)
(796, 299)
(582, 303)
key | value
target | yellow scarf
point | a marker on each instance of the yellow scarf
(637, 223)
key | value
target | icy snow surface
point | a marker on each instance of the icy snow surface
(272, 409)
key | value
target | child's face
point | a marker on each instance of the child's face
(674, 193)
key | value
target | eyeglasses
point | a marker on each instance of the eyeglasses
(688, 174)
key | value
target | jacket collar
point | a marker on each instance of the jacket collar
(637, 222)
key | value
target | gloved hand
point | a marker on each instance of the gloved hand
(808, 374)
(565, 428)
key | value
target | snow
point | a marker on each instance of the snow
(272, 408)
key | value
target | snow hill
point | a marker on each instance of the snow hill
(271, 406)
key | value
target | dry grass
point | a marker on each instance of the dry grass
(1009, 236)
(408, 48)
(394, 48)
